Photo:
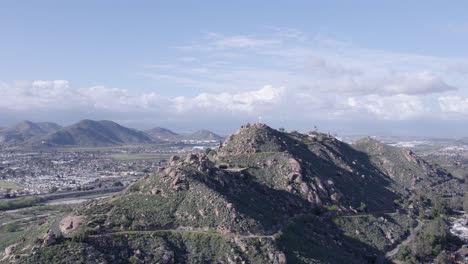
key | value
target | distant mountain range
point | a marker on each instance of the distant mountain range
(92, 133)
(25, 131)
(168, 135)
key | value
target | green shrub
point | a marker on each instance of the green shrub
(19, 203)
(80, 236)
(362, 207)
(117, 184)
(11, 227)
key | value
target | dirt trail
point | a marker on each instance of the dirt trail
(406, 241)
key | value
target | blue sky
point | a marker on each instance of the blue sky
(349, 66)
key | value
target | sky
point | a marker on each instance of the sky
(348, 67)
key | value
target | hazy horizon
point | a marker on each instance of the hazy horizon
(378, 130)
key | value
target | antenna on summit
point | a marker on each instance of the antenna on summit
(259, 119)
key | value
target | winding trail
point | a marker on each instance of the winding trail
(394, 251)
(55, 228)
(182, 231)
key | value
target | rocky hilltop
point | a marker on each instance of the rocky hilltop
(264, 196)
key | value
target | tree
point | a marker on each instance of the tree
(362, 207)
(442, 258)
(117, 184)
(439, 207)
(11, 227)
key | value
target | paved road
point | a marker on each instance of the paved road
(61, 195)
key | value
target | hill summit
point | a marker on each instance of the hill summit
(160, 133)
(203, 135)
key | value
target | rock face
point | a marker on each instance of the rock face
(192, 191)
(70, 224)
(318, 168)
(49, 240)
(253, 139)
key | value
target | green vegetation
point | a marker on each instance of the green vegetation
(117, 184)
(428, 243)
(10, 185)
(11, 227)
(24, 226)
(80, 236)
(312, 239)
(19, 203)
(376, 231)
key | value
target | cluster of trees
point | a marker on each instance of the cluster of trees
(19, 203)
(429, 243)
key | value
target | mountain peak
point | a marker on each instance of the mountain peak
(204, 134)
(162, 133)
(26, 130)
(252, 138)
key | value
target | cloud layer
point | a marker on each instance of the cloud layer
(280, 74)
(60, 95)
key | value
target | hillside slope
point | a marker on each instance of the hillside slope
(264, 196)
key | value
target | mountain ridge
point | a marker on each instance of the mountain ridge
(93, 133)
(25, 131)
(263, 196)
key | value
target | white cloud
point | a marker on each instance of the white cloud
(285, 75)
(245, 101)
(219, 41)
(418, 83)
(454, 104)
(59, 95)
(290, 58)
(396, 107)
